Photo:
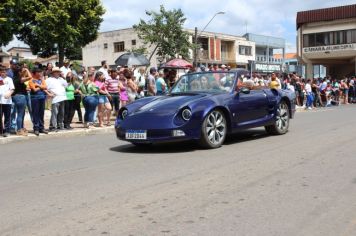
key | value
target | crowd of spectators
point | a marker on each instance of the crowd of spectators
(102, 92)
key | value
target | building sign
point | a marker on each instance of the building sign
(331, 48)
(267, 67)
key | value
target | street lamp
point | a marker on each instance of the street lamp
(196, 35)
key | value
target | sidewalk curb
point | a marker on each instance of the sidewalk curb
(61, 134)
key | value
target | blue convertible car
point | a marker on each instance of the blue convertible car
(206, 106)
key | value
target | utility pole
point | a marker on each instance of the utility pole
(195, 47)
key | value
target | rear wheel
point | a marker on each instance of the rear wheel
(213, 130)
(281, 124)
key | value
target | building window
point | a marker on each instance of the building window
(133, 42)
(105, 45)
(329, 38)
(119, 46)
(245, 50)
(354, 36)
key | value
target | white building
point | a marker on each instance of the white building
(21, 53)
(327, 37)
(110, 45)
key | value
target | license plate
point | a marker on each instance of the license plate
(136, 134)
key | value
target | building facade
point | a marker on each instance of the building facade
(4, 57)
(110, 45)
(266, 46)
(327, 37)
(215, 48)
(218, 48)
(21, 53)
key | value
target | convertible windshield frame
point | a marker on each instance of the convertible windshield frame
(205, 82)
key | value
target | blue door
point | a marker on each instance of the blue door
(248, 109)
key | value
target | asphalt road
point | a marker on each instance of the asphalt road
(301, 183)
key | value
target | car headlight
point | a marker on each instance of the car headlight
(124, 113)
(186, 114)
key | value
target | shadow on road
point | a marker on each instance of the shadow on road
(180, 147)
(190, 146)
(246, 135)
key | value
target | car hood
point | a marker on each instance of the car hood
(169, 104)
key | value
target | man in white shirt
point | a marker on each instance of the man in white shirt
(104, 70)
(151, 82)
(6, 89)
(56, 90)
(65, 68)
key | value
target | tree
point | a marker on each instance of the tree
(7, 27)
(165, 31)
(139, 50)
(51, 26)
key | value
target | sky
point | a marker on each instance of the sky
(272, 17)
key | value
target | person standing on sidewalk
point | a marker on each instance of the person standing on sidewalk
(90, 99)
(38, 100)
(6, 89)
(112, 86)
(19, 97)
(69, 103)
(309, 93)
(77, 99)
(56, 90)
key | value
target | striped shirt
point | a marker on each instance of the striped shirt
(112, 85)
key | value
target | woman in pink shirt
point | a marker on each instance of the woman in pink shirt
(124, 98)
(104, 106)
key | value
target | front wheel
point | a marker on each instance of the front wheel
(281, 124)
(213, 130)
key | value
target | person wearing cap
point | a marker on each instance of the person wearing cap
(56, 90)
(151, 82)
(65, 68)
(6, 89)
(38, 99)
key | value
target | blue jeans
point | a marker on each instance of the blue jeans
(38, 108)
(310, 100)
(19, 101)
(90, 104)
(28, 104)
(13, 125)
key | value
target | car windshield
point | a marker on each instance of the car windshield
(204, 82)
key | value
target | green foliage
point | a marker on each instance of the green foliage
(29, 63)
(139, 50)
(63, 25)
(165, 30)
(7, 26)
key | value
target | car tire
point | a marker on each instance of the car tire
(213, 130)
(281, 123)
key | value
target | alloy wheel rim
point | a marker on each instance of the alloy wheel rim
(215, 127)
(282, 117)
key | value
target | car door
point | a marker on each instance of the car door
(248, 108)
